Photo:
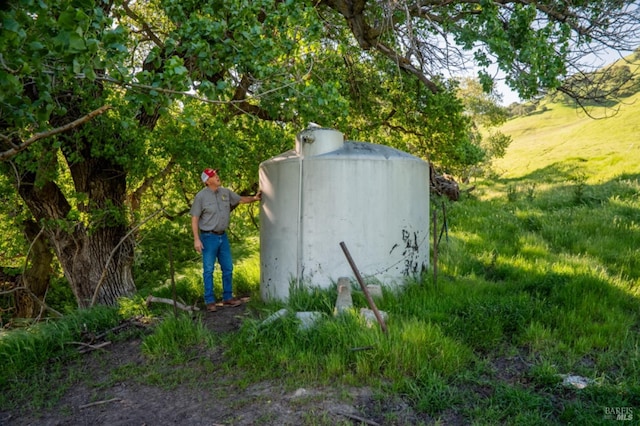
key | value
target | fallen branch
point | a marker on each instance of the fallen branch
(87, 347)
(152, 299)
(359, 419)
(34, 297)
(128, 323)
(106, 401)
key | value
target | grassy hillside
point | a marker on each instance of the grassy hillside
(565, 139)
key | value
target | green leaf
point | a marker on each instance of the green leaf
(36, 45)
(92, 45)
(77, 67)
(67, 19)
(76, 43)
(119, 47)
(11, 24)
(90, 73)
(180, 70)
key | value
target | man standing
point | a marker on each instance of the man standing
(210, 215)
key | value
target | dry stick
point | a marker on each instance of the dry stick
(116, 328)
(359, 419)
(175, 303)
(364, 288)
(100, 402)
(34, 297)
(90, 347)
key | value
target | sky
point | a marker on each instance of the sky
(508, 95)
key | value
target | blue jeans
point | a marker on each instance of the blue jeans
(216, 247)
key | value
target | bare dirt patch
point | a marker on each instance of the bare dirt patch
(205, 397)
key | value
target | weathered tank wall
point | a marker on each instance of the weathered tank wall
(372, 197)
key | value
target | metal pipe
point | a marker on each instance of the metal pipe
(299, 224)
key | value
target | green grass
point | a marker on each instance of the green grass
(175, 334)
(539, 278)
(562, 141)
(32, 357)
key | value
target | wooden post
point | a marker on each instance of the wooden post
(445, 227)
(372, 304)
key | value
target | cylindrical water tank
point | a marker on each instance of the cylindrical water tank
(372, 197)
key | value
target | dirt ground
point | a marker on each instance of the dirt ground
(224, 402)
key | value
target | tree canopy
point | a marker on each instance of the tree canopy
(110, 108)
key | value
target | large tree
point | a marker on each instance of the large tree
(106, 101)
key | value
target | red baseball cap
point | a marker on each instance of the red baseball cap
(207, 173)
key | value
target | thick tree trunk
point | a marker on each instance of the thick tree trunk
(102, 265)
(86, 268)
(36, 276)
(85, 253)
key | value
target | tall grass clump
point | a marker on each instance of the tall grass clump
(175, 339)
(29, 356)
(24, 350)
(285, 349)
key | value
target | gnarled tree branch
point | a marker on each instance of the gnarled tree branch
(42, 135)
